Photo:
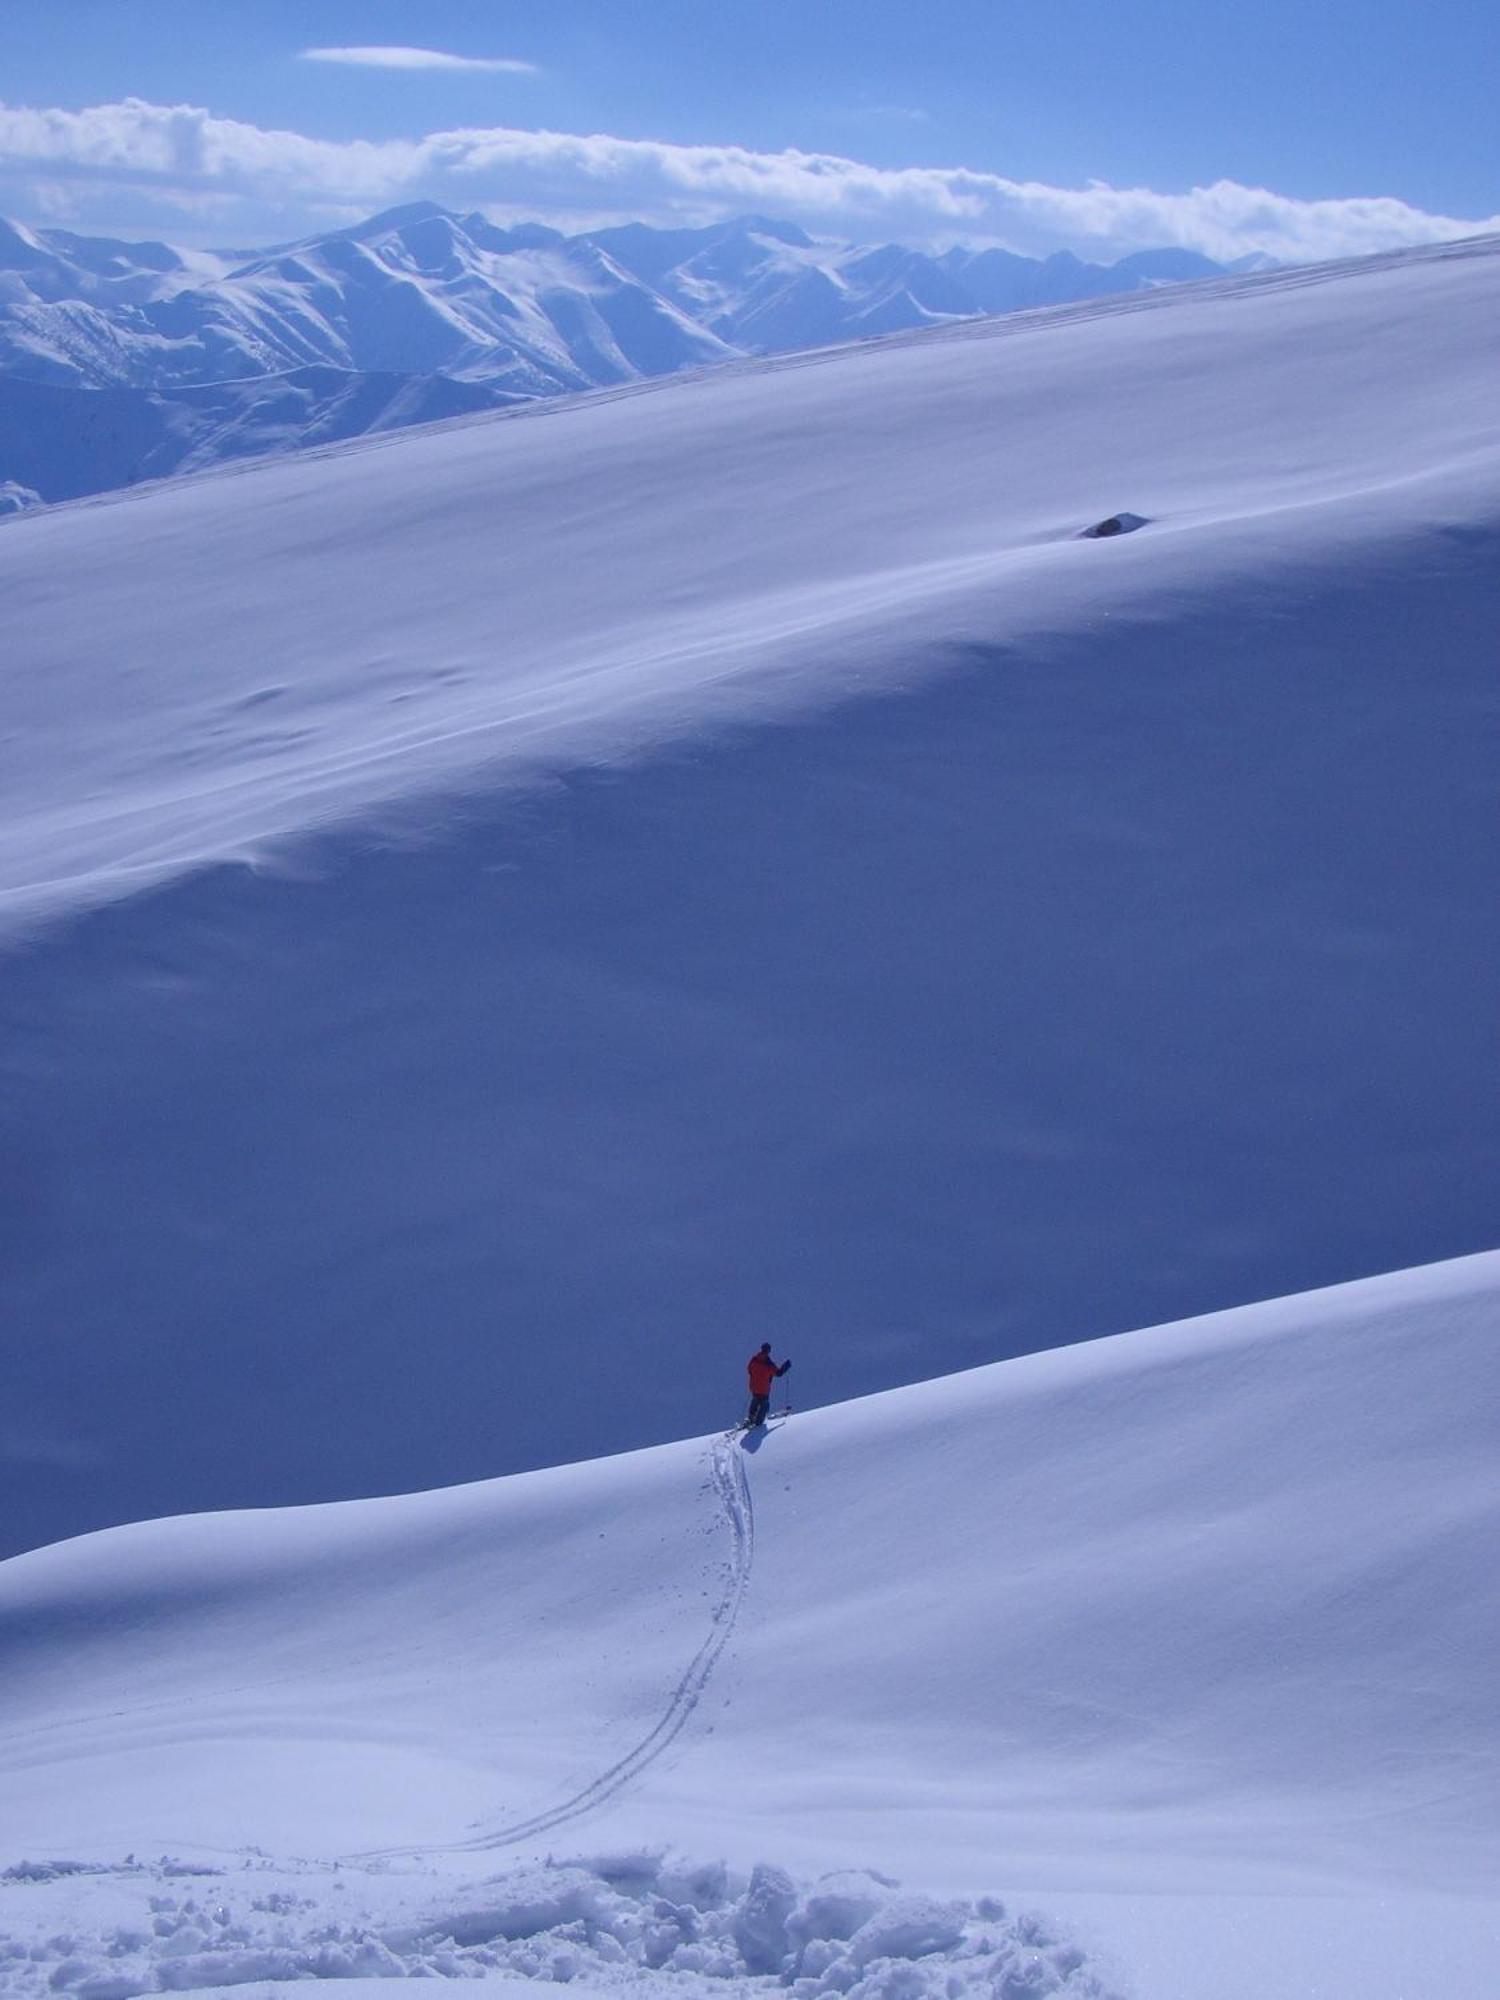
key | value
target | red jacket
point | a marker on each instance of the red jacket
(763, 1372)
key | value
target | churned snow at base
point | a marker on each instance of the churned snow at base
(628, 1923)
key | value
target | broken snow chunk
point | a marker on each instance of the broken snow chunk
(760, 1923)
(703, 1884)
(909, 1927)
(835, 1908)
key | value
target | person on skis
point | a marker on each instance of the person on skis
(763, 1372)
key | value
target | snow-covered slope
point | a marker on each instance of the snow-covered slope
(1104, 931)
(74, 441)
(817, 509)
(47, 266)
(144, 339)
(1192, 1621)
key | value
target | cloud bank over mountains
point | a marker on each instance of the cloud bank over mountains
(184, 170)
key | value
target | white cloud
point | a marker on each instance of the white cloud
(401, 58)
(185, 163)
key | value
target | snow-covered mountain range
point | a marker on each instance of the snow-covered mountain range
(121, 362)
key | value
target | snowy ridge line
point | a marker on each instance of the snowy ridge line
(732, 1488)
(987, 326)
(526, 725)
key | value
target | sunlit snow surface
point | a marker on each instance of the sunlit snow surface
(1186, 1636)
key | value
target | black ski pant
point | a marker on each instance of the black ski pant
(759, 1405)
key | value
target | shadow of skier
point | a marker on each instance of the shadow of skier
(752, 1441)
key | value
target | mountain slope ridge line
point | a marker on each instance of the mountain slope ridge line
(431, 314)
(990, 326)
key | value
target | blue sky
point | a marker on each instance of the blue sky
(1293, 128)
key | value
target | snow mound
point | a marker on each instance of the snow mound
(631, 1923)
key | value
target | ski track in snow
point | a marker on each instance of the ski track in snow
(732, 1489)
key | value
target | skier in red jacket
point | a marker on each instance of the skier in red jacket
(763, 1372)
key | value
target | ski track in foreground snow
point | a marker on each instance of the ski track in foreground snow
(638, 1922)
(731, 1488)
(1187, 1636)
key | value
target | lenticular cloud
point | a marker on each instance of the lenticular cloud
(396, 57)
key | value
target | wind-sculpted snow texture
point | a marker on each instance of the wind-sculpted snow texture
(505, 918)
(1186, 1637)
(122, 362)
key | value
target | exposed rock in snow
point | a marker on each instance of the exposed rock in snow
(1114, 524)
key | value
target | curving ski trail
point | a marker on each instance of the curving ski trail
(732, 1489)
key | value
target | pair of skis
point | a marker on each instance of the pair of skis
(771, 1417)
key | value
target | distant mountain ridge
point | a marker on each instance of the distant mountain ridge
(128, 361)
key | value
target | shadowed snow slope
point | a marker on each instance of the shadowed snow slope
(1203, 1610)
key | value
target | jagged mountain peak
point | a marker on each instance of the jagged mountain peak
(403, 216)
(779, 232)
